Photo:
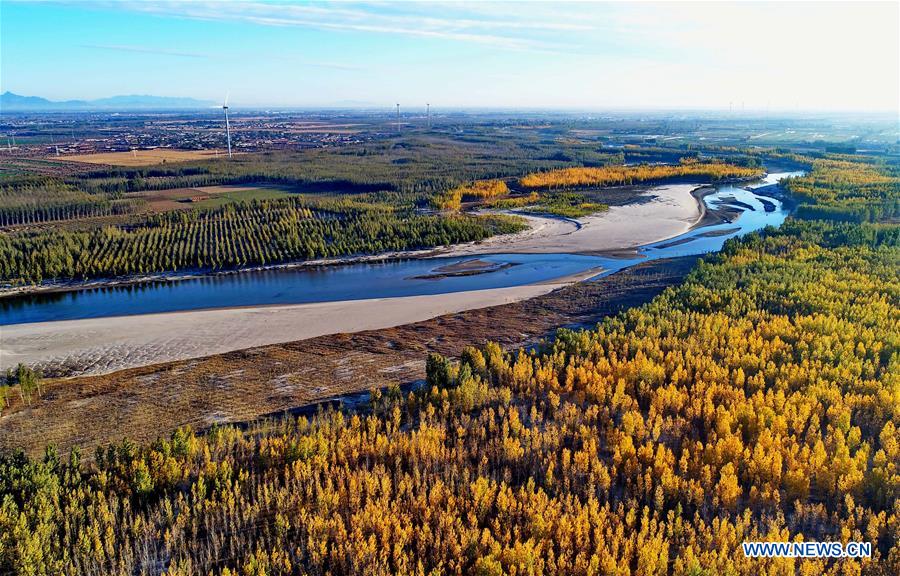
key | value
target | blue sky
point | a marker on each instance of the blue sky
(839, 56)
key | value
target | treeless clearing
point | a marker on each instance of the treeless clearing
(144, 157)
(206, 196)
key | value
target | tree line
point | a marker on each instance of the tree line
(624, 175)
(255, 233)
(473, 191)
(73, 210)
(40, 199)
(852, 190)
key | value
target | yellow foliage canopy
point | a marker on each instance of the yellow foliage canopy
(478, 190)
(622, 175)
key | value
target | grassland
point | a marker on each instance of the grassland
(565, 204)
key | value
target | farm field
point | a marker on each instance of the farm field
(144, 157)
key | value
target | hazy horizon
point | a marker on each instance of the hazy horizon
(491, 56)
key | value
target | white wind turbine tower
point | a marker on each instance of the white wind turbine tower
(227, 125)
(428, 115)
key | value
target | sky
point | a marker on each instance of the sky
(587, 56)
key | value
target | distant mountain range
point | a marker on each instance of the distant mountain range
(10, 102)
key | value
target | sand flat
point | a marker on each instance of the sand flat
(672, 210)
(103, 345)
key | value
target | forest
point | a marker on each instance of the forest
(36, 200)
(479, 190)
(755, 401)
(414, 166)
(845, 188)
(626, 175)
(496, 194)
(246, 234)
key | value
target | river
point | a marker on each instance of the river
(408, 277)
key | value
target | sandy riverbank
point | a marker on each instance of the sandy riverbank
(148, 402)
(670, 211)
(102, 345)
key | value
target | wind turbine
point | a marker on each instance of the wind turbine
(398, 118)
(227, 125)
(428, 114)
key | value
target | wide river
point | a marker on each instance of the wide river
(385, 279)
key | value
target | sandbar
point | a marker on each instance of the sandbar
(671, 210)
